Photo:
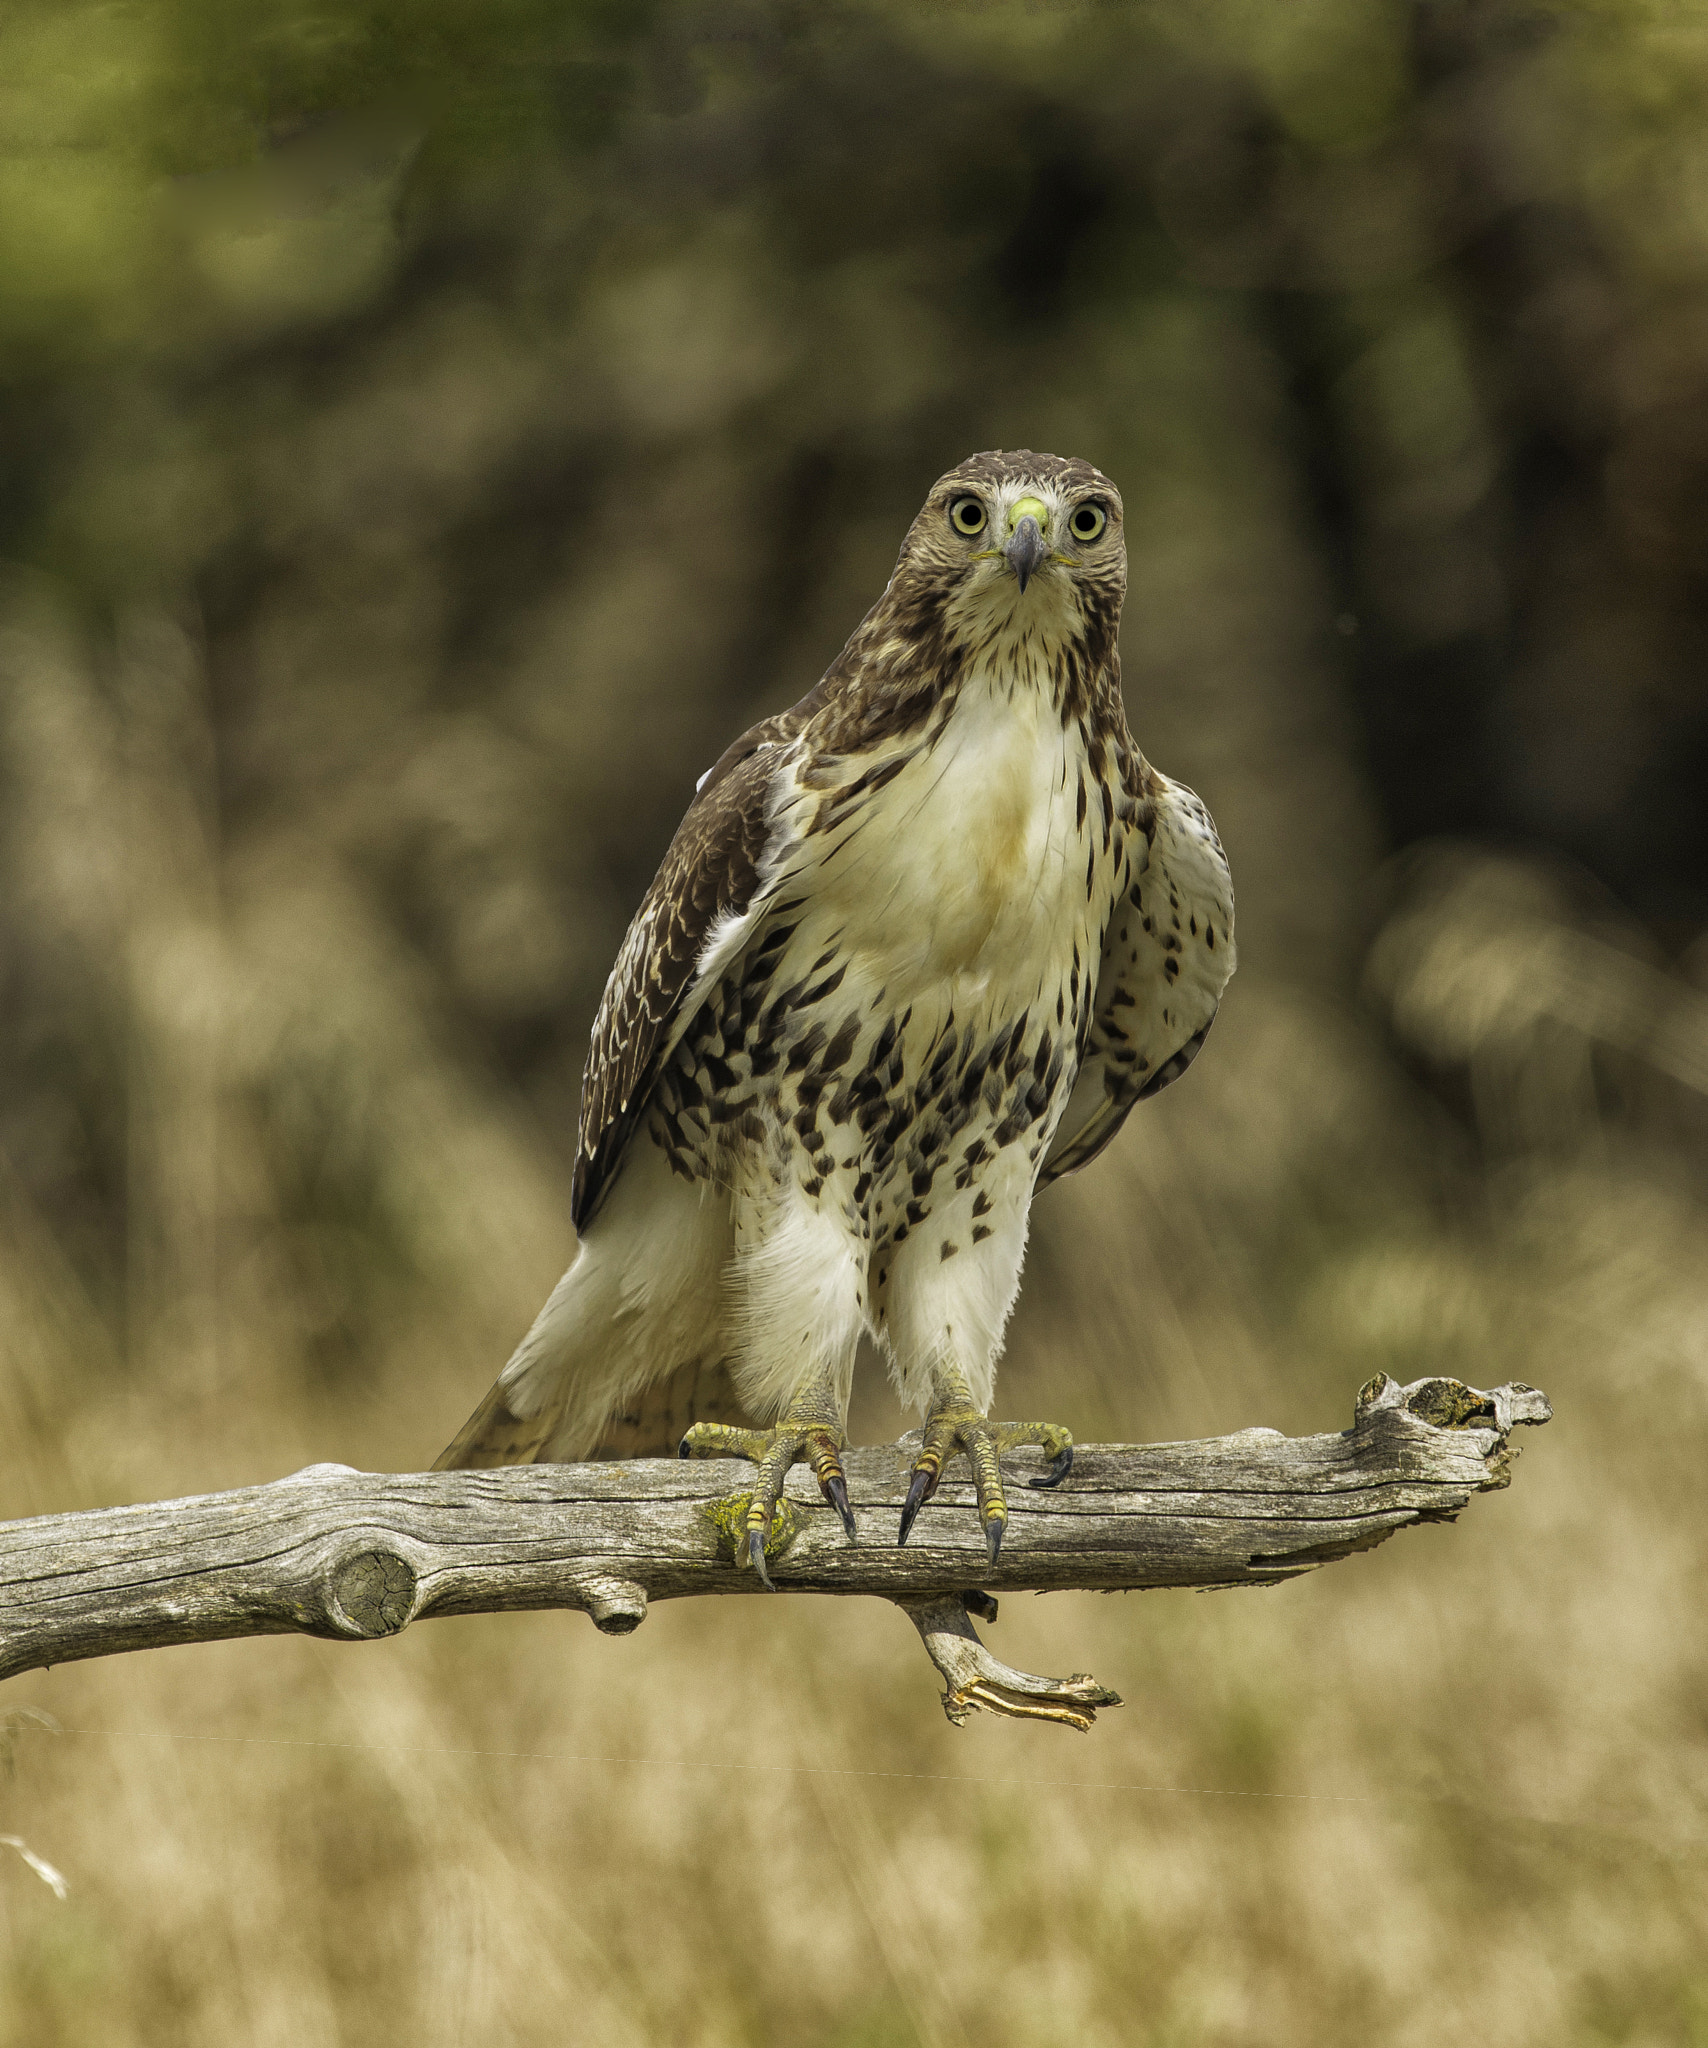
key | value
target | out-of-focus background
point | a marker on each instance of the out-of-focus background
(430, 431)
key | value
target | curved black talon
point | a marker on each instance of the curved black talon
(993, 1536)
(756, 1557)
(976, 1601)
(920, 1490)
(682, 1449)
(1057, 1472)
(835, 1490)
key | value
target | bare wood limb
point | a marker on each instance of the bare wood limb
(354, 1556)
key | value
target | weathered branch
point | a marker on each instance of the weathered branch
(353, 1556)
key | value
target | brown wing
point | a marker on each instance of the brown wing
(1167, 956)
(710, 872)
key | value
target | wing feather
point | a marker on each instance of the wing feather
(699, 911)
(1167, 956)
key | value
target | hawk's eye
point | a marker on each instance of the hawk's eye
(1088, 521)
(967, 516)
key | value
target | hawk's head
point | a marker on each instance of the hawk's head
(1015, 542)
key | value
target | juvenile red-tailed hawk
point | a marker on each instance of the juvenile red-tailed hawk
(919, 945)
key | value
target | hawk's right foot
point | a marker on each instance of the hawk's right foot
(796, 1440)
(959, 1427)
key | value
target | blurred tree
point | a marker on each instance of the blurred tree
(432, 429)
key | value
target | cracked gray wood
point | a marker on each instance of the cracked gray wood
(356, 1556)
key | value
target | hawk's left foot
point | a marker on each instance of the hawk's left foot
(953, 1428)
(797, 1439)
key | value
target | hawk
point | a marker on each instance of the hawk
(919, 945)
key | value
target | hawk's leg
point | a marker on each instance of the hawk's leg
(955, 1424)
(810, 1433)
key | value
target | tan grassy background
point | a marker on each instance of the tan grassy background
(436, 433)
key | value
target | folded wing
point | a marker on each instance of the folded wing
(703, 906)
(1167, 956)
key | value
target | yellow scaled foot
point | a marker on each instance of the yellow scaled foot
(799, 1438)
(962, 1428)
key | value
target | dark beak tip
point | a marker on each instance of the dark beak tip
(1025, 550)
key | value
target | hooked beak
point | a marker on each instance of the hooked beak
(1025, 549)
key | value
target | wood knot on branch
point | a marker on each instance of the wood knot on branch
(371, 1594)
(1450, 1404)
(617, 1606)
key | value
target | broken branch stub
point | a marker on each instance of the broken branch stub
(358, 1556)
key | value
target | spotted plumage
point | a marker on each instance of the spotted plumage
(919, 945)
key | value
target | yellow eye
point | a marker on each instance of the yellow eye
(1088, 520)
(967, 516)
